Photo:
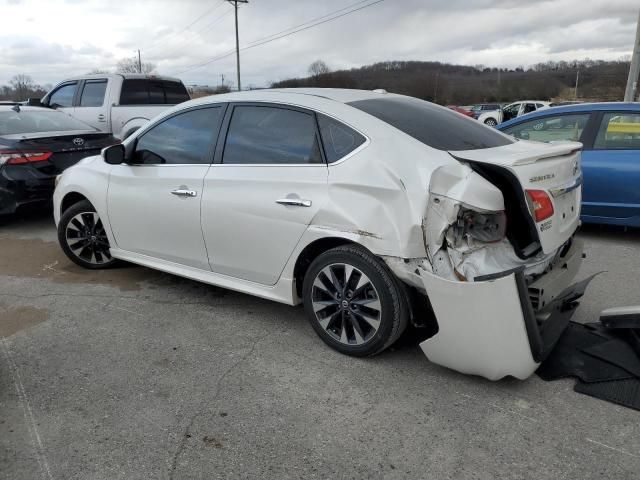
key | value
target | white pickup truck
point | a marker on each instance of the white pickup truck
(116, 103)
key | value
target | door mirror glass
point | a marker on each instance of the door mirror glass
(114, 155)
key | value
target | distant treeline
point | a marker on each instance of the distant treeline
(462, 85)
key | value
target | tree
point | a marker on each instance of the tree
(318, 69)
(98, 71)
(130, 65)
(22, 85)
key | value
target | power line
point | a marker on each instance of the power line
(295, 29)
(200, 30)
(200, 17)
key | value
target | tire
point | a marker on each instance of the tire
(83, 238)
(491, 122)
(361, 316)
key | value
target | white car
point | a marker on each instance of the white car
(375, 210)
(115, 103)
(513, 110)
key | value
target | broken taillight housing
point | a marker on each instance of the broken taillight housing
(540, 204)
(484, 227)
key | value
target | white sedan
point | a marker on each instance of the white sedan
(375, 210)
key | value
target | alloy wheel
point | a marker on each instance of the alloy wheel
(87, 239)
(346, 304)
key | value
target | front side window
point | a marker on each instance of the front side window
(551, 128)
(435, 126)
(271, 135)
(93, 93)
(619, 131)
(185, 138)
(338, 140)
(63, 97)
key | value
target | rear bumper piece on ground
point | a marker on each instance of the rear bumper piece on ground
(490, 328)
(22, 187)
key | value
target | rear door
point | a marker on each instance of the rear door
(92, 107)
(267, 184)
(154, 202)
(611, 166)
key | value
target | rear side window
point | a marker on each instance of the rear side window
(338, 140)
(93, 93)
(142, 91)
(619, 131)
(185, 138)
(271, 135)
(134, 92)
(435, 126)
(551, 128)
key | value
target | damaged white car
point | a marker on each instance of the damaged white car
(374, 210)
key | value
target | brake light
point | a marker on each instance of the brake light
(540, 204)
(17, 158)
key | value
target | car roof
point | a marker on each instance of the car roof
(577, 108)
(342, 95)
(100, 76)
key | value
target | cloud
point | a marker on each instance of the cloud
(75, 36)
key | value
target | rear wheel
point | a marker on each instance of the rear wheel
(83, 238)
(490, 122)
(353, 301)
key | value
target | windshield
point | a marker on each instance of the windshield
(31, 121)
(431, 124)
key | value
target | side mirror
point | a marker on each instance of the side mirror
(114, 154)
(34, 102)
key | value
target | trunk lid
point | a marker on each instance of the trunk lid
(553, 168)
(68, 149)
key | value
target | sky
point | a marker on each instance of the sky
(51, 40)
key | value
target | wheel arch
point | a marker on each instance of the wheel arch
(70, 199)
(310, 253)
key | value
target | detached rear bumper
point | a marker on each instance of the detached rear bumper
(490, 328)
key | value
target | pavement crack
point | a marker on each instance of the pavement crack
(187, 431)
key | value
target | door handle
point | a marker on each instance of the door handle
(184, 193)
(101, 117)
(296, 202)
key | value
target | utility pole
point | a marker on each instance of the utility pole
(575, 90)
(631, 92)
(235, 4)
(139, 63)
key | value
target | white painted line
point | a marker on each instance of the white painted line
(613, 448)
(36, 441)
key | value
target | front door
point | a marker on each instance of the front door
(154, 202)
(612, 168)
(267, 184)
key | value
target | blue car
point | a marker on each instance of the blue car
(610, 133)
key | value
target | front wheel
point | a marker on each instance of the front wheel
(353, 301)
(83, 238)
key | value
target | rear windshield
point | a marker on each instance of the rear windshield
(435, 126)
(146, 91)
(30, 121)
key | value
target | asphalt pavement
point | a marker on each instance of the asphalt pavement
(136, 374)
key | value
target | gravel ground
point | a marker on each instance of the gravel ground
(136, 374)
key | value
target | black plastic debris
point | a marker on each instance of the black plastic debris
(604, 357)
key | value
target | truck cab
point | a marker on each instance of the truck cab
(116, 103)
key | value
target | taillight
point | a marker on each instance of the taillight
(540, 204)
(17, 158)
